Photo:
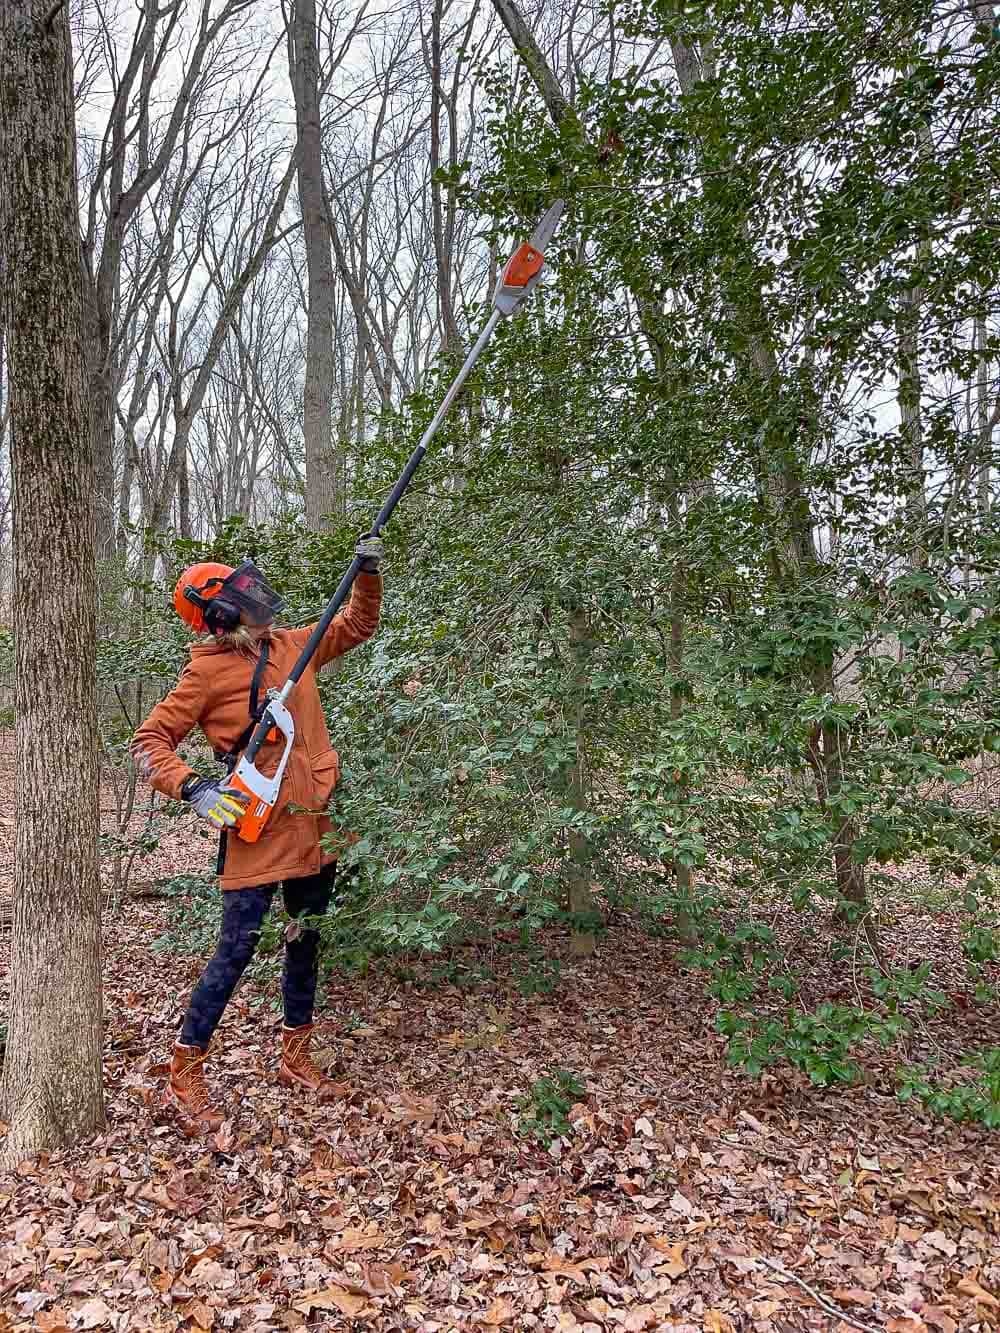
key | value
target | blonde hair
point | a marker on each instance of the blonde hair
(240, 639)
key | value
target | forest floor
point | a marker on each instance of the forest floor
(685, 1196)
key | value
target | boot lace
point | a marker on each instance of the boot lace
(191, 1081)
(298, 1056)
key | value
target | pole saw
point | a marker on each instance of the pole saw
(520, 275)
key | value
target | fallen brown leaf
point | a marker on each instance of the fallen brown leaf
(555, 1263)
(675, 1264)
(934, 1315)
(854, 1296)
(93, 1314)
(201, 1314)
(717, 1322)
(332, 1298)
(500, 1312)
(52, 1321)
(680, 1204)
(355, 1238)
(969, 1286)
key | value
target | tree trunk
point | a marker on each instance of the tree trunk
(323, 469)
(678, 581)
(580, 896)
(986, 424)
(778, 466)
(100, 400)
(534, 59)
(911, 390)
(51, 1093)
(779, 480)
(184, 500)
(442, 255)
(911, 430)
(125, 499)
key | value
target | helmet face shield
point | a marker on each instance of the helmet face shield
(248, 591)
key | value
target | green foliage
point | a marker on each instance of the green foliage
(194, 917)
(820, 1044)
(981, 944)
(902, 987)
(545, 1107)
(673, 614)
(465, 976)
(977, 1101)
(985, 991)
(537, 975)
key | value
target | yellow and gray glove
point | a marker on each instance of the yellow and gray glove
(214, 802)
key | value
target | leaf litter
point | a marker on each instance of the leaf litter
(686, 1196)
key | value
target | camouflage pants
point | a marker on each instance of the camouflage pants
(243, 913)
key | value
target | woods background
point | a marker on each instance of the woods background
(692, 615)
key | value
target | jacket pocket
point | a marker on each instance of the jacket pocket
(325, 772)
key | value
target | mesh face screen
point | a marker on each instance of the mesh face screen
(248, 589)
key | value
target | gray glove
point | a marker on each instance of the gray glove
(214, 802)
(371, 552)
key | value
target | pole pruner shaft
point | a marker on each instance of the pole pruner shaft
(520, 276)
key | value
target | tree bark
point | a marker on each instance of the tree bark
(51, 1092)
(442, 249)
(580, 895)
(986, 423)
(534, 60)
(678, 582)
(101, 406)
(324, 481)
(184, 500)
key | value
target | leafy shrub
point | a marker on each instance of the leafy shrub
(194, 917)
(546, 1105)
(820, 1044)
(977, 1101)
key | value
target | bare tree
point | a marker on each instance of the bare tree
(135, 152)
(444, 212)
(51, 1092)
(324, 468)
(249, 230)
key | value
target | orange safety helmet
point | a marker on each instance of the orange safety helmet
(195, 586)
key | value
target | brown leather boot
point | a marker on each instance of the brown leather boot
(188, 1091)
(297, 1069)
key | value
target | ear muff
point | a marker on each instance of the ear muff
(221, 616)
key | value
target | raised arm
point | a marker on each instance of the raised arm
(357, 622)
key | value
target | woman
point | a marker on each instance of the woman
(222, 689)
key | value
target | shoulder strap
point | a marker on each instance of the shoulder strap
(230, 757)
(258, 676)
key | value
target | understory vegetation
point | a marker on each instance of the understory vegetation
(692, 615)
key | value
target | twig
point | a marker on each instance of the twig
(821, 1301)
